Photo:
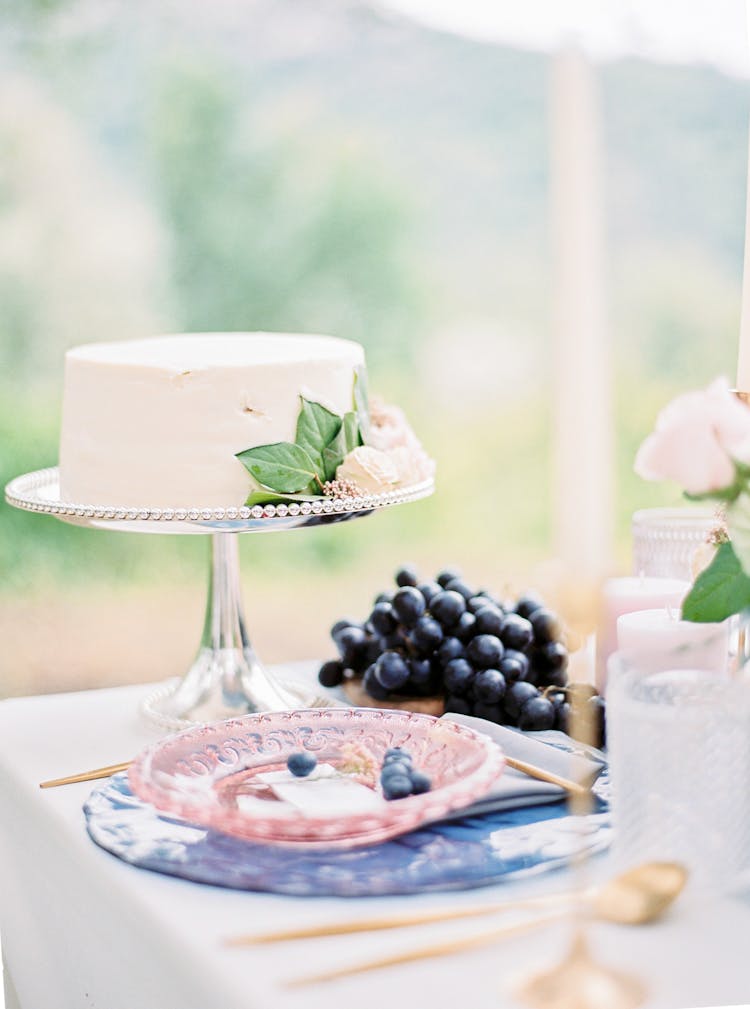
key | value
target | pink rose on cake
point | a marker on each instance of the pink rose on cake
(389, 427)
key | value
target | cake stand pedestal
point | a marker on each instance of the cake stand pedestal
(226, 678)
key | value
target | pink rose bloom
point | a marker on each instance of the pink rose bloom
(696, 440)
(413, 464)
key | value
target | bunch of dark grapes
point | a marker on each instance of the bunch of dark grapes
(506, 662)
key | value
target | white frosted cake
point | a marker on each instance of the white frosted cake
(159, 422)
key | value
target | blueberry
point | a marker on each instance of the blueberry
(517, 695)
(373, 686)
(465, 629)
(536, 714)
(331, 673)
(383, 619)
(545, 625)
(300, 763)
(420, 783)
(490, 712)
(396, 787)
(429, 590)
(447, 608)
(485, 651)
(489, 620)
(488, 686)
(409, 605)
(459, 705)
(427, 634)
(391, 670)
(513, 665)
(458, 676)
(351, 643)
(449, 575)
(517, 633)
(396, 753)
(457, 585)
(407, 575)
(528, 604)
(451, 648)
(395, 768)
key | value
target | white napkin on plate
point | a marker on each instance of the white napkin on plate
(514, 789)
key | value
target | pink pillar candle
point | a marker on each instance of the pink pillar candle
(626, 595)
(659, 634)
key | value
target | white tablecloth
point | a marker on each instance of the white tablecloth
(82, 930)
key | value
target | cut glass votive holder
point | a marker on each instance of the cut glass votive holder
(665, 539)
(679, 748)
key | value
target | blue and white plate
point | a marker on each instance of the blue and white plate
(460, 854)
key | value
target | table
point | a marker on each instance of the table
(82, 930)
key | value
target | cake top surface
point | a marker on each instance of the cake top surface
(187, 351)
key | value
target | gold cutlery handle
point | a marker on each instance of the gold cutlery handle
(427, 952)
(98, 772)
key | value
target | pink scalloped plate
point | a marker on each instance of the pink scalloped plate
(209, 775)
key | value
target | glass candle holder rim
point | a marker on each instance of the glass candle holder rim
(685, 515)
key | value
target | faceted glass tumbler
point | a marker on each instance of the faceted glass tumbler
(679, 744)
(665, 539)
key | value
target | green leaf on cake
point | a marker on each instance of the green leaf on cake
(347, 439)
(316, 429)
(281, 467)
(361, 400)
(720, 591)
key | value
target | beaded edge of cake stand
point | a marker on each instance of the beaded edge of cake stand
(22, 492)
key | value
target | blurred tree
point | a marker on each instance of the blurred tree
(279, 229)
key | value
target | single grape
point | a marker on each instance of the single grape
(331, 673)
(458, 676)
(383, 619)
(485, 651)
(351, 643)
(449, 575)
(517, 695)
(420, 783)
(396, 753)
(513, 665)
(407, 575)
(450, 648)
(517, 633)
(488, 686)
(427, 633)
(545, 625)
(447, 608)
(409, 605)
(460, 586)
(373, 686)
(489, 620)
(341, 625)
(536, 714)
(429, 590)
(396, 787)
(383, 597)
(528, 604)
(391, 670)
(465, 629)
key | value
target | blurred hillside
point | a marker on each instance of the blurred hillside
(327, 167)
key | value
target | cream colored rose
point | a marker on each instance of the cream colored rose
(373, 471)
(389, 427)
(413, 464)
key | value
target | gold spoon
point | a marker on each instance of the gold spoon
(623, 899)
(635, 897)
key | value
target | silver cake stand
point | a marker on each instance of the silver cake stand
(226, 678)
